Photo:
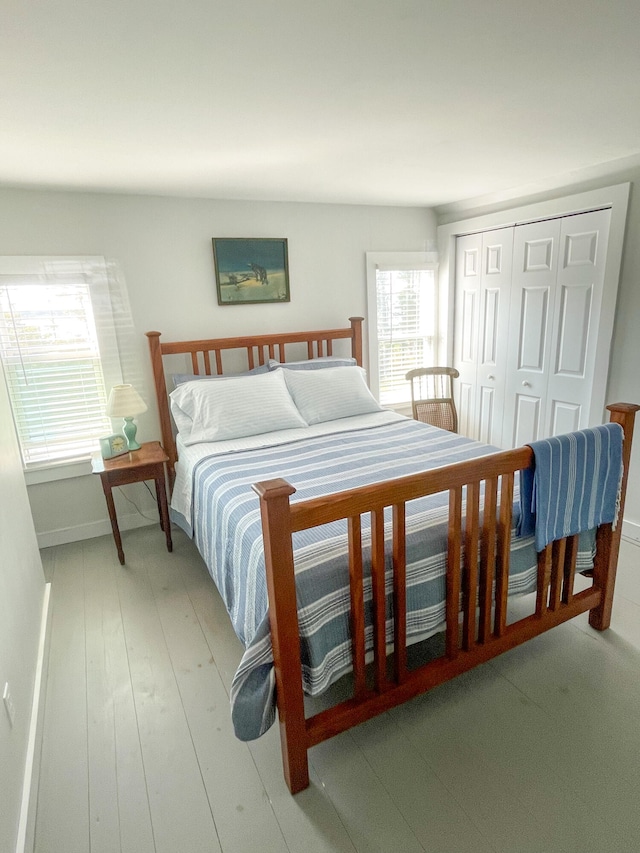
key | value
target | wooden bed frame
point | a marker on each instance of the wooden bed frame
(478, 560)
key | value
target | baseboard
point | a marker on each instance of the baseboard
(26, 827)
(631, 530)
(91, 530)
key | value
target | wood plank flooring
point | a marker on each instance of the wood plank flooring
(536, 751)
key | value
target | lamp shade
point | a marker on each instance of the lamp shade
(125, 402)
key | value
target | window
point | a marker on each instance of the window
(403, 321)
(60, 355)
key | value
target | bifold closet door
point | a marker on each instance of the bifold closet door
(556, 297)
(576, 321)
(483, 282)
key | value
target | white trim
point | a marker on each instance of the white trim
(391, 261)
(614, 197)
(26, 825)
(89, 531)
(63, 471)
(631, 531)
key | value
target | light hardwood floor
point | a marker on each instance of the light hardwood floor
(538, 751)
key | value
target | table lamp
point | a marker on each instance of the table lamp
(125, 402)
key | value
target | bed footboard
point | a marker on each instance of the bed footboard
(477, 575)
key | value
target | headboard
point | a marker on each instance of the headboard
(259, 349)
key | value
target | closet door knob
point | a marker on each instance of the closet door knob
(491, 377)
(526, 384)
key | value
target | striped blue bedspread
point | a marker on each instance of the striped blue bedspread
(227, 530)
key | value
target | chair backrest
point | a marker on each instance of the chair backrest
(432, 396)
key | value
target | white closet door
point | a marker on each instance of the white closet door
(467, 312)
(493, 333)
(578, 303)
(535, 262)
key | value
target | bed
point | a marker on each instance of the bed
(340, 545)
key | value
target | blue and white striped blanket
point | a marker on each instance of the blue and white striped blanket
(227, 529)
(574, 484)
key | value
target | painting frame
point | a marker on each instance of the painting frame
(251, 270)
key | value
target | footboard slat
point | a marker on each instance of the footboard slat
(453, 584)
(557, 573)
(487, 558)
(544, 577)
(379, 599)
(570, 568)
(470, 585)
(399, 593)
(357, 605)
(503, 553)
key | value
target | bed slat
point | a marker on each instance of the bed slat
(557, 573)
(570, 568)
(399, 593)
(470, 585)
(544, 577)
(357, 605)
(487, 558)
(503, 553)
(453, 572)
(379, 600)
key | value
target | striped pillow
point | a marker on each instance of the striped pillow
(223, 409)
(329, 395)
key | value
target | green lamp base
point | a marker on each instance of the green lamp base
(130, 429)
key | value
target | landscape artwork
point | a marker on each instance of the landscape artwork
(251, 270)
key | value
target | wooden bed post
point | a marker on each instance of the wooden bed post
(608, 540)
(356, 340)
(166, 431)
(285, 636)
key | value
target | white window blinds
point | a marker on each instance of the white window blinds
(405, 323)
(60, 357)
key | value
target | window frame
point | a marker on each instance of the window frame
(399, 261)
(94, 270)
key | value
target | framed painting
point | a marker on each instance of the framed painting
(251, 270)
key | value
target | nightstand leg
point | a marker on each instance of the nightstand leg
(165, 524)
(114, 520)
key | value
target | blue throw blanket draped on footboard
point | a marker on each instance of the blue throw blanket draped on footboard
(574, 484)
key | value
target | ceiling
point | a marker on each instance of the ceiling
(402, 102)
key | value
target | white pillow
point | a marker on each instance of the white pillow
(222, 409)
(328, 395)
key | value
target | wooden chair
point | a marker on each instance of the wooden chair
(432, 396)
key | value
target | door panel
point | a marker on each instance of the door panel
(533, 328)
(535, 261)
(565, 417)
(526, 418)
(571, 347)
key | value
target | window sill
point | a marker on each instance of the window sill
(63, 471)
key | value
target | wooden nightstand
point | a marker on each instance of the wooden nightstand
(135, 467)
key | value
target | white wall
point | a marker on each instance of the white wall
(21, 595)
(164, 248)
(624, 378)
